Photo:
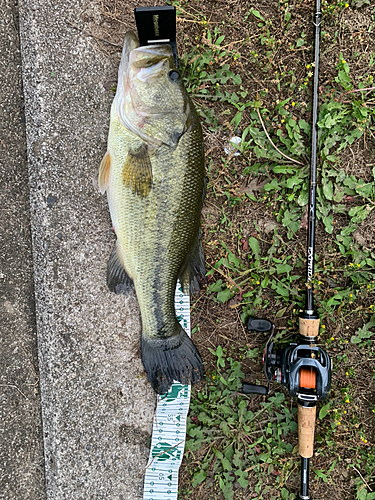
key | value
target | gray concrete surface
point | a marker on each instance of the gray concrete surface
(21, 445)
(97, 405)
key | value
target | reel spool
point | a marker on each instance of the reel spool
(307, 378)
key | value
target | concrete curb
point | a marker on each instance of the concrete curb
(97, 405)
(21, 445)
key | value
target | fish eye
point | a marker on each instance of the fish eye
(173, 75)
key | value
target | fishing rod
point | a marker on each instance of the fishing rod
(304, 368)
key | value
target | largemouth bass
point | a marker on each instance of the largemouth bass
(153, 172)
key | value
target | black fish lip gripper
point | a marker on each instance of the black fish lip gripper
(157, 25)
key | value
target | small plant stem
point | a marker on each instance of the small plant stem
(273, 144)
(233, 43)
(355, 90)
(182, 20)
(15, 387)
(94, 36)
(257, 414)
(228, 278)
(363, 479)
(112, 16)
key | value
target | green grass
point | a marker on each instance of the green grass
(234, 447)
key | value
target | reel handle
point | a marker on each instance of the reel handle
(254, 389)
(306, 429)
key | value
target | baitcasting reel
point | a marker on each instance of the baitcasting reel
(304, 368)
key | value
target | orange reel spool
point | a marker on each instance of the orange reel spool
(307, 378)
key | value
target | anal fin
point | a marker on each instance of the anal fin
(118, 280)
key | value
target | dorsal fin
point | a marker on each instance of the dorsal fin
(194, 272)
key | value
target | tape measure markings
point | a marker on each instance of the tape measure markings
(169, 427)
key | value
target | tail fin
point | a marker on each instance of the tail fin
(169, 359)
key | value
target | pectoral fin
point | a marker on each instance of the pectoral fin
(104, 170)
(137, 171)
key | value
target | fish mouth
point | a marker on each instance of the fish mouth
(146, 55)
(151, 61)
(131, 43)
(152, 71)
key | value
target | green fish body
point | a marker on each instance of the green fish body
(153, 173)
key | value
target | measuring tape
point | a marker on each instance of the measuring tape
(169, 427)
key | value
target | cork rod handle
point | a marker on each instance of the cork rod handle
(306, 430)
(309, 327)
